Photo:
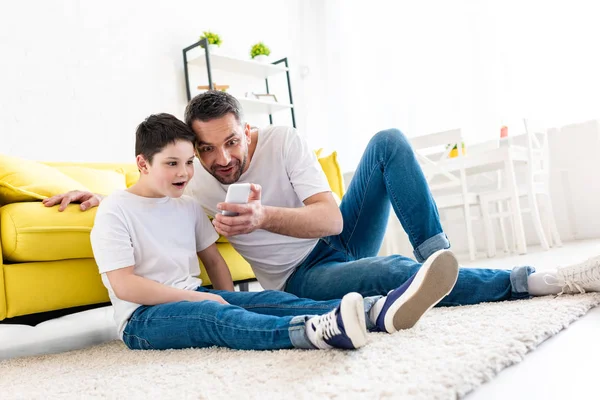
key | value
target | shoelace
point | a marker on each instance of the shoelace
(587, 272)
(327, 327)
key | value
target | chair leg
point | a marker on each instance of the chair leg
(513, 232)
(500, 208)
(552, 222)
(470, 238)
(537, 221)
(489, 230)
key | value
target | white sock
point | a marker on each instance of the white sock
(376, 309)
(543, 283)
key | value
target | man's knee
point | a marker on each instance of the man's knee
(391, 139)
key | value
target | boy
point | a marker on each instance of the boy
(146, 240)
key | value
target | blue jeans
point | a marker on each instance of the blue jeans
(389, 174)
(266, 320)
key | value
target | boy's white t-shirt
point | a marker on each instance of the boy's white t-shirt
(158, 236)
(288, 172)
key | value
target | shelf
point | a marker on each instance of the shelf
(237, 65)
(251, 106)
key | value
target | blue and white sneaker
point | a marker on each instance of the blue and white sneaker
(342, 328)
(404, 306)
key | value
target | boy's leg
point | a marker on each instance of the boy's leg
(283, 304)
(208, 323)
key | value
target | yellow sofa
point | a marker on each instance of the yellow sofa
(46, 259)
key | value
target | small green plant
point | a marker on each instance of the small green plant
(212, 38)
(259, 49)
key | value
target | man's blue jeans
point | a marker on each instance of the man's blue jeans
(266, 320)
(389, 173)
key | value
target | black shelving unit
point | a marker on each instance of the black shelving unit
(204, 43)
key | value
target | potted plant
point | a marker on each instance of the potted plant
(454, 151)
(260, 52)
(214, 40)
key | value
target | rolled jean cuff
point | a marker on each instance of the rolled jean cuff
(430, 246)
(369, 302)
(518, 281)
(297, 331)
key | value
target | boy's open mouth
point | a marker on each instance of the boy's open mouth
(179, 184)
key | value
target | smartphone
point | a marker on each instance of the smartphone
(237, 193)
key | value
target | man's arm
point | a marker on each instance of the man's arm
(319, 217)
(216, 267)
(87, 200)
(136, 289)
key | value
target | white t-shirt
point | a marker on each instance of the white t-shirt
(289, 173)
(158, 236)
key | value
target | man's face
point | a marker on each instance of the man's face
(171, 169)
(223, 147)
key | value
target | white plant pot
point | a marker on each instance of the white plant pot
(213, 48)
(261, 58)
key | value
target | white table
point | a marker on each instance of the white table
(498, 155)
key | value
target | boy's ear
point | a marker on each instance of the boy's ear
(142, 163)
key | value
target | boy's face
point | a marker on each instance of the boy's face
(171, 169)
(223, 147)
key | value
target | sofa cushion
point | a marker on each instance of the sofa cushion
(96, 180)
(26, 180)
(33, 232)
(332, 170)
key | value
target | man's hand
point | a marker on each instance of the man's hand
(251, 216)
(87, 200)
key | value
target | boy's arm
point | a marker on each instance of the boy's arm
(136, 289)
(216, 267)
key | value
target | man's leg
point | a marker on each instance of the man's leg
(389, 173)
(207, 323)
(373, 276)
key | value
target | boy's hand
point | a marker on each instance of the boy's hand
(199, 296)
(251, 215)
(87, 200)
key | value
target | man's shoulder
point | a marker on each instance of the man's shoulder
(277, 133)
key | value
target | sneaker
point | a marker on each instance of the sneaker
(581, 278)
(342, 328)
(405, 305)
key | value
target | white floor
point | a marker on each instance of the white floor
(557, 369)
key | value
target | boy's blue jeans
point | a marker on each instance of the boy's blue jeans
(389, 173)
(252, 321)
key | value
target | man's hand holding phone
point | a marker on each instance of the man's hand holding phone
(242, 211)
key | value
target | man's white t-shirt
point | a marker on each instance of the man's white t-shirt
(158, 236)
(289, 173)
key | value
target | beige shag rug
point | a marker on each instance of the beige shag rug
(448, 354)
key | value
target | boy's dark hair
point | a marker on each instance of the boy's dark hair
(211, 105)
(157, 131)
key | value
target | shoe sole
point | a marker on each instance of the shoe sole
(434, 281)
(353, 315)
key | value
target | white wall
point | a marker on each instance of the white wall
(430, 65)
(77, 77)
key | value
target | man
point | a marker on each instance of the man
(296, 237)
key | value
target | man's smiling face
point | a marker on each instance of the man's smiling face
(222, 147)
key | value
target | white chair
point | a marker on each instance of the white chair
(534, 187)
(449, 190)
